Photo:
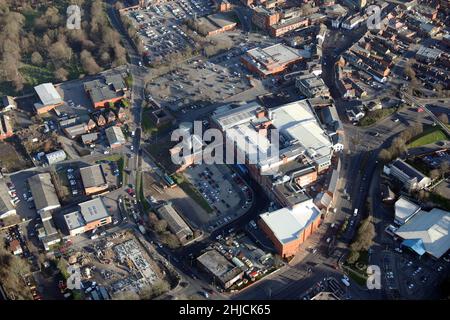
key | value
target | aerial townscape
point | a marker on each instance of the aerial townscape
(224, 150)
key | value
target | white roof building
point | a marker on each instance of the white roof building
(430, 230)
(287, 224)
(405, 210)
(115, 136)
(56, 156)
(48, 94)
(300, 133)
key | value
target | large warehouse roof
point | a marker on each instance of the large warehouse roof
(92, 176)
(43, 191)
(432, 228)
(48, 94)
(287, 224)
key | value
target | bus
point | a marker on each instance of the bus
(169, 181)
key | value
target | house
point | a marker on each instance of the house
(15, 247)
(355, 111)
(55, 157)
(91, 125)
(115, 136)
(111, 116)
(7, 103)
(6, 130)
(93, 179)
(121, 114)
(101, 120)
(116, 82)
(89, 138)
(49, 98)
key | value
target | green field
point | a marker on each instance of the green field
(428, 136)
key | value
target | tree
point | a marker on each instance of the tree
(353, 257)
(126, 295)
(434, 174)
(443, 117)
(160, 226)
(444, 168)
(61, 74)
(385, 156)
(88, 63)
(36, 58)
(60, 52)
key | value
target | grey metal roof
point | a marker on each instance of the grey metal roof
(93, 210)
(176, 224)
(43, 191)
(115, 135)
(48, 94)
(92, 176)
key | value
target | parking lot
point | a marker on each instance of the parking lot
(223, 189)
(197, 84)
(159, 29)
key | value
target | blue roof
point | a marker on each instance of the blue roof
(415, 244)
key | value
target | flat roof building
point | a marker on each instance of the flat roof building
(219, 268)
(93, 179)
(90, 215)
(312, 86)
(289, 228)
(44, 194)
(271, 60)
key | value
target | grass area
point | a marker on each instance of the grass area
(113, 157)
(428, 136)
(192, 192)
(129, 81)
(440, 200)
(359, 275)
(376, 115)
(147, 124)
(35, 75)
(121, 166)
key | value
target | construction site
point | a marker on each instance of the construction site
(121, 264)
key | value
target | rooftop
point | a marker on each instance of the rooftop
(92, 176)
(48, 94)
(74, 220)
(432, 228)
(115, 135)
(176, 224)
(93, 210)
(219, 266)
(405, 209)
(287, 224)
(43, 191)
